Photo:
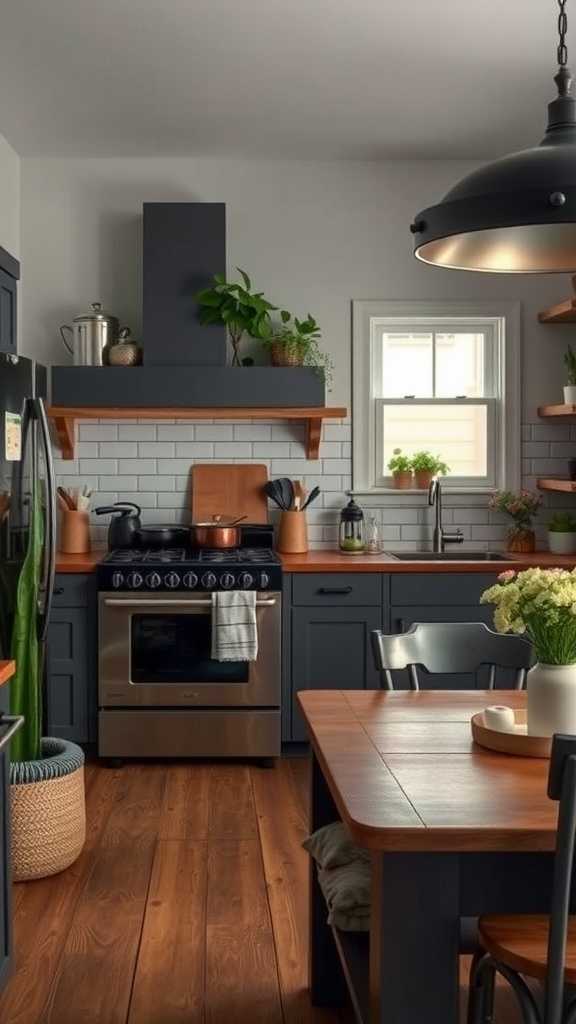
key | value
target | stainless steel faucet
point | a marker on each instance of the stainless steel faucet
(440, 536)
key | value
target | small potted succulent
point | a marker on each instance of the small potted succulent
(562, 534)
(425, 467)
(521, 506)
(400, 467)
(570, 387)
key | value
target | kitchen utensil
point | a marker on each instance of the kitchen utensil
(216, 533)
(125, 524)
(91, 336)
(163, 536)
(74, 533)
(231, 489)
(292, 533)
(66, 498)
(126, 351)
(286, 492)
(311, 497)
(299, 494)
(352, 540)
(274, 492)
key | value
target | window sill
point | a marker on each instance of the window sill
(469, 496)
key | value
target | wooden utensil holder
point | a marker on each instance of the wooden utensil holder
(293, 533)
(74, 532)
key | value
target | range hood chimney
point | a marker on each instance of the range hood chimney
(184, 246)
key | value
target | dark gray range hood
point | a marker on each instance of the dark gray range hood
(184, 363)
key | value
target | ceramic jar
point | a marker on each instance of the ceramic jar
(570, 394)
(562, 543)
(551, 699)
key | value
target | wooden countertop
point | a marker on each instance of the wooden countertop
(7, 670)
(406, 776)
(335, 561)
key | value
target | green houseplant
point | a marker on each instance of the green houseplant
(297, 343)
(570, 388)
(46, 774)
(235, 305)
(400, 467)
(521, 506)
(562, 534)
(425, 466)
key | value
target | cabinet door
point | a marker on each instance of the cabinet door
(331, 651)
(7, 312)
(402, 617)
(68, 677)
(5, 913)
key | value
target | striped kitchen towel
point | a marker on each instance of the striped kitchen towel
(234, 632)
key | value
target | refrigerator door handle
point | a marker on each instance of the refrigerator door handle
(47, 586)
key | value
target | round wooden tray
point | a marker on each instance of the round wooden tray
(517, 743)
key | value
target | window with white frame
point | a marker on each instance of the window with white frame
(442, 377)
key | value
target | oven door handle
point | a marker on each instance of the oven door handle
(119, 602)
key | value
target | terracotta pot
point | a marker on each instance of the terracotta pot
(423, 479)
(403, 481)
(523, 542)
(286, 355)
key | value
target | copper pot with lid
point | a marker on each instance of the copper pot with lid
(216, 533)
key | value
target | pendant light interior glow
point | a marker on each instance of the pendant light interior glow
(518, 214)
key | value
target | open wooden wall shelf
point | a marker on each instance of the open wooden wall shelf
(557, 411)
(64, 419)
(562, 312)
(561, 484)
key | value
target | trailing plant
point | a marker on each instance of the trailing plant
(540, 603)
(236, 306)
(302, 337)
(521, 506)
(562, 522)
(425, 462)
(400, 463)
(570, 364)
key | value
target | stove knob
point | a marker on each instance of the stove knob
(153, 580)
(209, 580)
(134, 580)
(117, 580)
(190, 580)
(172, 580)
(227, 580)
(246, 580)
(264, 580)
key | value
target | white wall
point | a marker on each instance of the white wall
(313, 235)
(9, 198)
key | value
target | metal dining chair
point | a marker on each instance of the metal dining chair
(449, 647)
(534, 946)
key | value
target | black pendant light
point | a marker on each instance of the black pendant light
(518, 214)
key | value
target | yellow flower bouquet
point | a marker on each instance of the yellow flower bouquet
(540, 603)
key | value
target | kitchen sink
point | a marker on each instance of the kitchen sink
(450, 556)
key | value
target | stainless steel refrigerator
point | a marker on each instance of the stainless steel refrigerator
(26, 469)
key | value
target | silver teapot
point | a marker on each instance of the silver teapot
(91, 336)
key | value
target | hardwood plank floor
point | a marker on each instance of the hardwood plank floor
(188, 905)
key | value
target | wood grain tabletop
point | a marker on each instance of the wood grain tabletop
(406, 775)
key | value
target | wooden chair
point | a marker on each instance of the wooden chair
(449, 647)
(530, 946)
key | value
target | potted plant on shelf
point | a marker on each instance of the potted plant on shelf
(425, 466)
(541, 604)
(46, 774)
(570, 387)
(400, 467)
(238, 308)
(521, 507)
(296, 343)
(562, 534)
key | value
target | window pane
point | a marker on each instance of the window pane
(460, 365)
(407, 365)
(456, 433)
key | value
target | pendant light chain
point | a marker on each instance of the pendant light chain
(562, 51)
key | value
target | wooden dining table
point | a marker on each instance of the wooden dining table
(455, 831)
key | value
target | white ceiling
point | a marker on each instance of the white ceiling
(297, 78)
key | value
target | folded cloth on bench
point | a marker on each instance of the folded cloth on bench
(332, 847)
(347, 893)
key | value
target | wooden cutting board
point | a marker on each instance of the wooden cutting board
(229, 490)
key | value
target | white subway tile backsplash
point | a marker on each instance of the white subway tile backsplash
(175, 432)
(194, 450)
(118, 483)
(336, 432)
(271, 450)
(215, 432)
(330, 450)
(97, 431)
(252, 432)
(550, 432)
(97, 466)
(145, 499)
(155, 482)
(87, 450)
(232, 449)
(118, 449)
(156, 449)
(137, 432)
(137, 466)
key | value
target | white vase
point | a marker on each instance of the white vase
(562, 543)
(551, 699)
(570, 394)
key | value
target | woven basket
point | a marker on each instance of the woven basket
(48, 811)
(286, 355)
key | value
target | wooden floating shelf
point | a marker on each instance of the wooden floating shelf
(562, 312)
(551, 411)
(64, 419)
(557, 484)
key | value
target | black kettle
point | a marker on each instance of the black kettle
(125, 525)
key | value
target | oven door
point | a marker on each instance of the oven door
(154, 651)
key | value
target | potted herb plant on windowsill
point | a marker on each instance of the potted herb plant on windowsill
(562, 534)
(425, 466)
(400, 467)
(241, 310)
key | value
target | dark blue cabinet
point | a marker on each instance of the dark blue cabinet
(71, 660)
(9, 275)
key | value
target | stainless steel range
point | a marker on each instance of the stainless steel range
(160, 692)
